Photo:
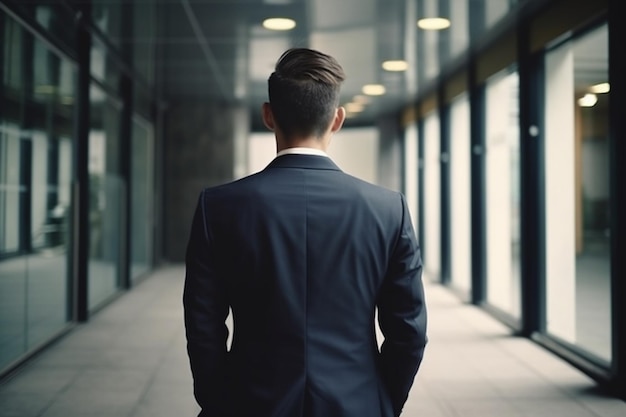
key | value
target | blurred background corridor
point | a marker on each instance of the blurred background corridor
(500, 120)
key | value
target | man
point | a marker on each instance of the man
(305, 256)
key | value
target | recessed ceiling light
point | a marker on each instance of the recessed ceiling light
(374, 89)
(433, 23)
(279, 23)
(600, 88)
(395, 65)
(588, 100)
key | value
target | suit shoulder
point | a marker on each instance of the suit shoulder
(231, 186)
(376, 189)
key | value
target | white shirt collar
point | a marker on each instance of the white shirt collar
(302, 151)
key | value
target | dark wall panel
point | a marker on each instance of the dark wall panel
(199, 152)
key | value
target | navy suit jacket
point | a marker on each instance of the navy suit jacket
(306, 257)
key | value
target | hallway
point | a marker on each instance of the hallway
(129, 360)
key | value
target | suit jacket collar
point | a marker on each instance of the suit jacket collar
(303, 161)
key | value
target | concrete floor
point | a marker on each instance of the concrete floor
(129, 360)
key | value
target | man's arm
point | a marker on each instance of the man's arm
(402, 315)
(206, 308)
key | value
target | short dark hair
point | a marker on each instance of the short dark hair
(304, 91)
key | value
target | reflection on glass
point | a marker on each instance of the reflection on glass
(460, 174)
(13, 268)
(141, 198)
(411, 172)
(12, 59)
(55, 17)
(105, 191)
(50, 207)
(11, 189)
(577, 195)
(102, 65)
(432, 197)
(107, 15)
(503, 192)
(35, 187)
(144, 27)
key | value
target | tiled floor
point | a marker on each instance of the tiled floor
(129, 360)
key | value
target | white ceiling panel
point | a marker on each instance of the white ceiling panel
(333, 14)
(264, 52)
(350, 48)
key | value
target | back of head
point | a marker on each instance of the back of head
(304, 92)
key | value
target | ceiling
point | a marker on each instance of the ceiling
(218, 50)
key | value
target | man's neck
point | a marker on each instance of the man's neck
(312, 142)
(302, 151)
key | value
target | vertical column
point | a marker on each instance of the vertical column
(125, 140)
(26, 144)
(477, 163)
(201, 156)
(158, 112)
(420, 183)
(617, 133)
(81, 173)
(444, 127)
(390, 134)
(530, 70)
(25, 198)
(403, 166)
(421, 48)
(477, 185)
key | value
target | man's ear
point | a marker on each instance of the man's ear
(340, 117)
(268, 116)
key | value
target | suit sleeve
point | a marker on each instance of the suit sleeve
(205, 310)
(402, 315)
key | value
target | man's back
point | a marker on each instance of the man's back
(303, 253)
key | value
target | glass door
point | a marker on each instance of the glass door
(577, 201)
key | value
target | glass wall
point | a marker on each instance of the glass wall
(143, 52)
(36, 156)
(105, 193)
(460, 208)
(469, 19)
(40, 166)
(502, 188)
(144, 30)
(54, 17)
(142, 186)
(411, 172)
(107, 16)
(577, 194)
(432, 197)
